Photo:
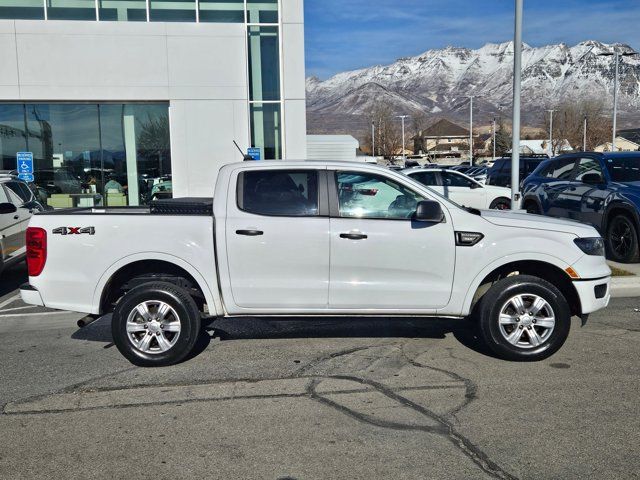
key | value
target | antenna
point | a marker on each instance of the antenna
(245, 157)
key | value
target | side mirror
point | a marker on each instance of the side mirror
(592, 179)
(429, 211)
(7, 208)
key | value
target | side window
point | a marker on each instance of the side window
(18, 189)
(287, 193)
(14, 198)
(363, 195)
(497, 166)
(587, 166)
(429, 179)
(450, 179)
(561, 169)
(3, 195)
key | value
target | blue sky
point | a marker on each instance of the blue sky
(348, 34)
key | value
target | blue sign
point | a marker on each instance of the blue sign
(255, 153)
(25, 166)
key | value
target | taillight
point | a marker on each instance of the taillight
(36, 250)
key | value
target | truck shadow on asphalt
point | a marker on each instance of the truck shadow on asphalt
(12, 278)
(235, 329)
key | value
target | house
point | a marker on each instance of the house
(623, 143)
(443, 139)
(540, 147)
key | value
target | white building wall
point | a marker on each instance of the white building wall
(293, 79)
(199, 68)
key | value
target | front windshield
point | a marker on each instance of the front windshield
(625, 169)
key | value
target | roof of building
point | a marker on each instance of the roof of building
(445, 128)
(632, 134)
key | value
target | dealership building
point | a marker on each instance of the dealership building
(124, 101)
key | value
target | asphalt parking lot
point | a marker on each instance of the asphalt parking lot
(316, 399)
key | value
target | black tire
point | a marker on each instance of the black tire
(622, 240)
(498, 296)
(501, 203)
(532, 207)
(187, 314)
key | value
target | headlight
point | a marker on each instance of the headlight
(591, 246)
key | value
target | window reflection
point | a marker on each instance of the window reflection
(262, 11)
(172, 10)
(123, 10)
(90, 154)
(71, 9)
(230, 11)
(22, 9)
(266, 128)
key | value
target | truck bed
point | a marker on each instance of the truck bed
(175, 206)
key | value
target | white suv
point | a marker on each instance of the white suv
(17, 204)
(462, 189)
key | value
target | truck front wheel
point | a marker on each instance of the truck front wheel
(156, 324)
(524, 318)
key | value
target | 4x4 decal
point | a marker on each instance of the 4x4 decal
(74, 231)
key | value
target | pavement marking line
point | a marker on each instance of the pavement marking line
(33, 314)
(17, 308)
(10, 300)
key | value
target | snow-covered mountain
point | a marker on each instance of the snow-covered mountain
(438, 81)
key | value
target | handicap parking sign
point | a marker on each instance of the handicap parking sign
(25, 166)
(255, 153)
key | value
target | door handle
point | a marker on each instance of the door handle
(16, 217)
(250, 233)
(353, 236)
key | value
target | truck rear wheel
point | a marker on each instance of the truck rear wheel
(524, 318)
(156, 324)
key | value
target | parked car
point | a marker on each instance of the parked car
(500, 174)
(17, 204)
(601, 189)
(462, 189)
(315, 238)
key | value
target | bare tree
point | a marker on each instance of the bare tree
(568, 124)
(388, 132)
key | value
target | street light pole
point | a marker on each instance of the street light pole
(373, 138)
(471, 130)
(551, 133)
(615, 101)
(584, 140)
(403, 117)
(517, 91)
(494, 138)
(617, 56)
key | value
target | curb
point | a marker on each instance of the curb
(624, 287)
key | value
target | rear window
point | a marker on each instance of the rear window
(624, 169)
(287, 193)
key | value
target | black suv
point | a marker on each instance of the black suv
(500, 174)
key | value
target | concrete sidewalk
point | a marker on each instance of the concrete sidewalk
(627, 286)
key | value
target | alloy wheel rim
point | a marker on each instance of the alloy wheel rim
(526, 321)
(153, 327)
(621, 238)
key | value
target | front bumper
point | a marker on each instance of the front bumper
(30, 295)
(594, 294)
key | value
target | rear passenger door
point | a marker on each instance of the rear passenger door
(558, 187)
(277, 239)
(589, 197)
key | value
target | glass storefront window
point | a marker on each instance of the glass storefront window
(22, 9)
(122, 10)
(227, 11)
(262, 11)
(89, 154)
(71, 9)
(266, 130)
(264, 64)
(12, 134)
(172, 10)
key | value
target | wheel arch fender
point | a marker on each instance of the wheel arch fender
(210, 291)
(532, 198)
(620, 205)
(524, 261)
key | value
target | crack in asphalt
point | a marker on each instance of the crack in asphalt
(443, 428)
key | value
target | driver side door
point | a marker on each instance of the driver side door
(380, 258)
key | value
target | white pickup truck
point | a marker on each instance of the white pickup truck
(313, 239)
